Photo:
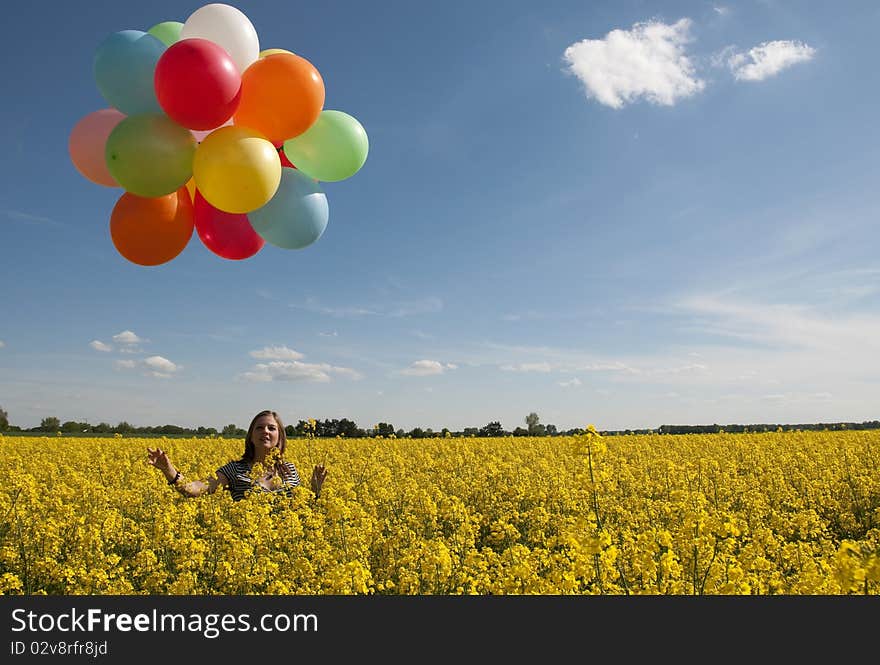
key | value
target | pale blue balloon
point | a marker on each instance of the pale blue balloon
(296, 216)
(124, 65)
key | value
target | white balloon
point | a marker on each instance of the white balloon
(228, 27)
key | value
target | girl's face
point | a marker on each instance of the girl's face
(265, 434)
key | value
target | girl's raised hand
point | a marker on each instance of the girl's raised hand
(158, 458)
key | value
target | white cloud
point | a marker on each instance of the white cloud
(681, 369)
(573, 383)
(2, 343)
(155, 366)
(128, 342)
(312, 305)
(98, 345)
(427, 305)
(160, 367)
(648, 62)
(29, 218)
(608, 366)
(527, 367)
(768, 59)
(329, 334)
(797, 398)
(721, 11)
(427, 368)
(276, 353)
(787, 326)
(297, 371)
(127, 337)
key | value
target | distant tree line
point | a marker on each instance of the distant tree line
(765, 427)
(349, 429)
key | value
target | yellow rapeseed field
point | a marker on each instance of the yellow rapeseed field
(760, 513)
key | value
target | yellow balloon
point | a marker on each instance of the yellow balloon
(236, 169)
(273, 51)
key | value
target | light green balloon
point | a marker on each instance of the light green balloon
(150, 155)
(334, 148)
(167, 32)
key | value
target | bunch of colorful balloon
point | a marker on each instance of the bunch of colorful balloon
(208, 132)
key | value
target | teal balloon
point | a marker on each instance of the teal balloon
(296, 216)
(167, 32)
(150, 155)
(124, 65)
(334, 148)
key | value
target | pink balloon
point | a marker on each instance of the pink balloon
(228, 235)
(86, 144)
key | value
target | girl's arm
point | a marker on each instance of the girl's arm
(192, 488)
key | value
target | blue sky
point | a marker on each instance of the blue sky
(621, 213)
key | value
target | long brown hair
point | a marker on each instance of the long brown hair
(250, 451)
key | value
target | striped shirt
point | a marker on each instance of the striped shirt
(237, 474)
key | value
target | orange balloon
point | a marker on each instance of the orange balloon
(152, 231)
(281, 96)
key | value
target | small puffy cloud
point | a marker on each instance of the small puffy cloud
(156, 366)
(329, 334)
(276, 353)
(574, 383)
(721, 10)
(2, 343)
(647, 62)
(427, 368)
(297, 371)
(768, 59)
(128, 342)
(127, 337)
(160, 367)
(98, 345)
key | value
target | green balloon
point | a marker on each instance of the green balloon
(150, 155)
(167, 32)
(334, 148)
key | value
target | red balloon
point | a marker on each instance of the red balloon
(229, 235)
(279, 146)
(197, 84)
(285, 161)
